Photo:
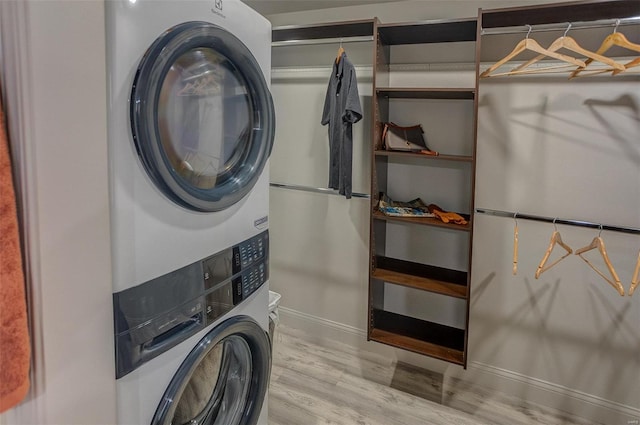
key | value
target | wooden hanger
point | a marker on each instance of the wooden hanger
(597, 242)
(568, 43)
(591, 72)
(635, 280)
(547, 70)
(613, 39)
(515, 245)
(632, 64)
(340, 52)
(532, 45)
(555, 239)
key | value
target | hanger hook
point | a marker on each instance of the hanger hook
(529, 32)
(515, 217)
(567, 30)
(600, 232)
(554, 224)
(340, 41)
(615, 29)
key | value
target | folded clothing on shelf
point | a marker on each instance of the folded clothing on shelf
(446, 216)
(413, 208)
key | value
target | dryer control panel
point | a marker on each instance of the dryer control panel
(154, 316)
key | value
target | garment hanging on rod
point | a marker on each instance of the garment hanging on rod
(341, 110)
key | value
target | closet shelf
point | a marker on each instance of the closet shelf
(426, 93)
(425, 221)
(421, 276)
(558, 13)
(419, 155)
(357, 28)
(436, 31)
(420, 336)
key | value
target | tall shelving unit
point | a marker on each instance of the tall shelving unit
(402, 274)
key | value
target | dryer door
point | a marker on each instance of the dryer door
(202, 116)
(223, 381)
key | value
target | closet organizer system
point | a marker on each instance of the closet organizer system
(392, 268)
(615, 57)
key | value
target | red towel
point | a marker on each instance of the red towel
(14, 335)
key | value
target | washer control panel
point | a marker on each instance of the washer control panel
(253, 249)
(154, 316)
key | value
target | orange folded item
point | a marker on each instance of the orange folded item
(446, 216)
(428, 152)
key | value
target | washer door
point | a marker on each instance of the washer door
(223, 381)
(202, 116)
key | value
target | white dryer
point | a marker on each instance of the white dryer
(190, 126)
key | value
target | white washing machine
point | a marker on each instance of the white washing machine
(190, 126)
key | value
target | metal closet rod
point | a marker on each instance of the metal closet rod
(334, 40)
(603, 23)
(316, 190)
(569, 222)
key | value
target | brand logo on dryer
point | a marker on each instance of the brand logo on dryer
(261, 223)
(217, 9)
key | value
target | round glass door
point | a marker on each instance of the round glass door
(202, 116)
(223, 381)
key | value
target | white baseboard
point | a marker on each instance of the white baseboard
(322, 331)
(550, 395)
(291, 317)
(326, 332)
(533, 390)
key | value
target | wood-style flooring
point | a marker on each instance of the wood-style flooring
(339, 385)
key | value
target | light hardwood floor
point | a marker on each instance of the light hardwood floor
(338, 385)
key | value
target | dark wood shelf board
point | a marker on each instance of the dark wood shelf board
(440, 31)
(326, 30)
(425, 221)
(431, 339)
(426, 93)
(421, 276)
(420, 155)
(557, 13)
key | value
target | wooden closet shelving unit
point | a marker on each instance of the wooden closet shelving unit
(577, 11)
(406, 331)
(429, 337)
(294, 33)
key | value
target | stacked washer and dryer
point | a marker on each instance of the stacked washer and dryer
(191, 126)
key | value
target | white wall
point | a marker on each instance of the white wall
(53, 66)
(567, 340)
